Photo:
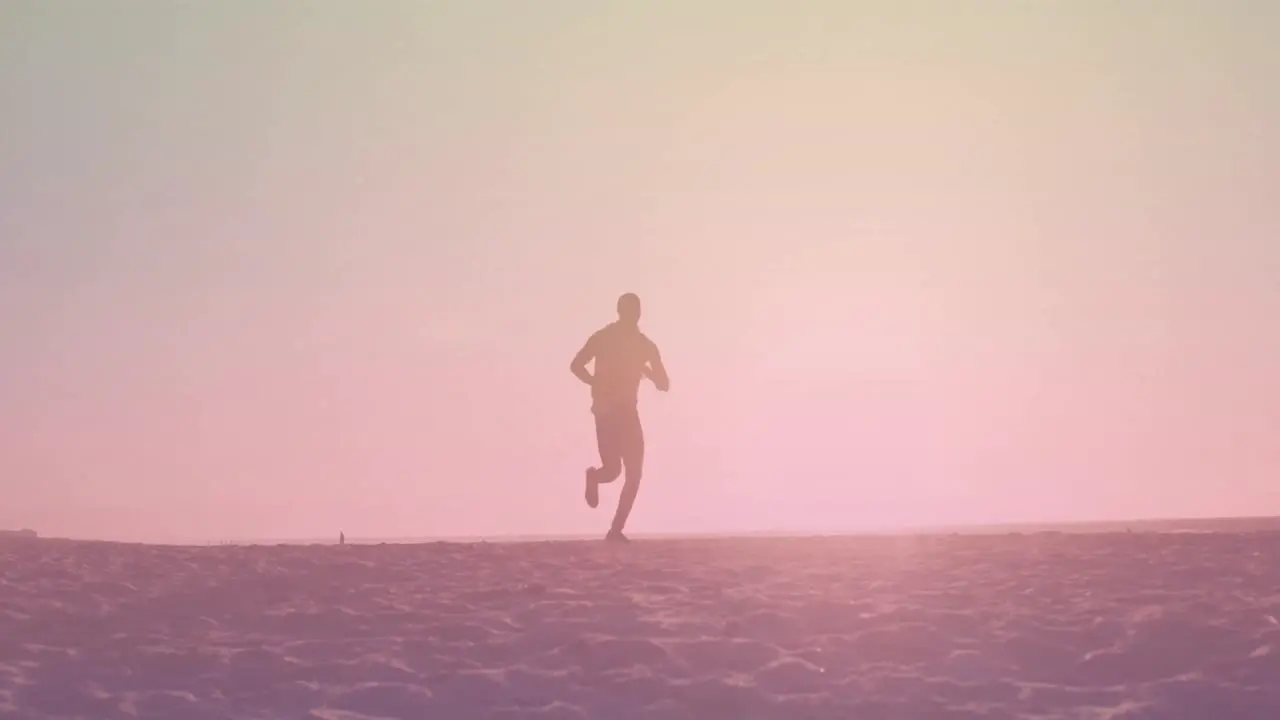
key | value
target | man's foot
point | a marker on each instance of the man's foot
(616, 536)
(593, 488)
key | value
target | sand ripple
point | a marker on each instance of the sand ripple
(1107, 626)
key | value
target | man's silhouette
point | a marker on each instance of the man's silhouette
(623, 355)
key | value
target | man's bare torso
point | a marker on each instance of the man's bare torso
(621, 356)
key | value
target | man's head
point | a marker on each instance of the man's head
(629, 309)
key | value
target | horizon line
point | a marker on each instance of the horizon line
(1175, 524)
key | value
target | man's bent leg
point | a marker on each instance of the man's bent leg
(611, 442)
(633, 457)
(607, 442)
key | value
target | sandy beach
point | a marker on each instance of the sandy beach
(1104, 626)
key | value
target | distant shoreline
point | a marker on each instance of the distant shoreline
(1172, 525)
(1149, 525)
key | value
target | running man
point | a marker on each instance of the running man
(623, 355)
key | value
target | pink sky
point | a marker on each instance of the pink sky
(276, 269)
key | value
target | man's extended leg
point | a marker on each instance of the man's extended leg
(631, 434)
(609, 443)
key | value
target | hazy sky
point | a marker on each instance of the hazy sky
(272, 269)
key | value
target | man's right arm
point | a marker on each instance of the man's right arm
(579, 365)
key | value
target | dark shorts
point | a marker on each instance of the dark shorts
(620, 437)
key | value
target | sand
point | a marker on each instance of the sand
(1140, 625)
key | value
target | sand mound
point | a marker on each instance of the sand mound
(1016, 626)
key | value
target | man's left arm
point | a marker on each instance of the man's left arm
(578, 366)
(656, 371)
